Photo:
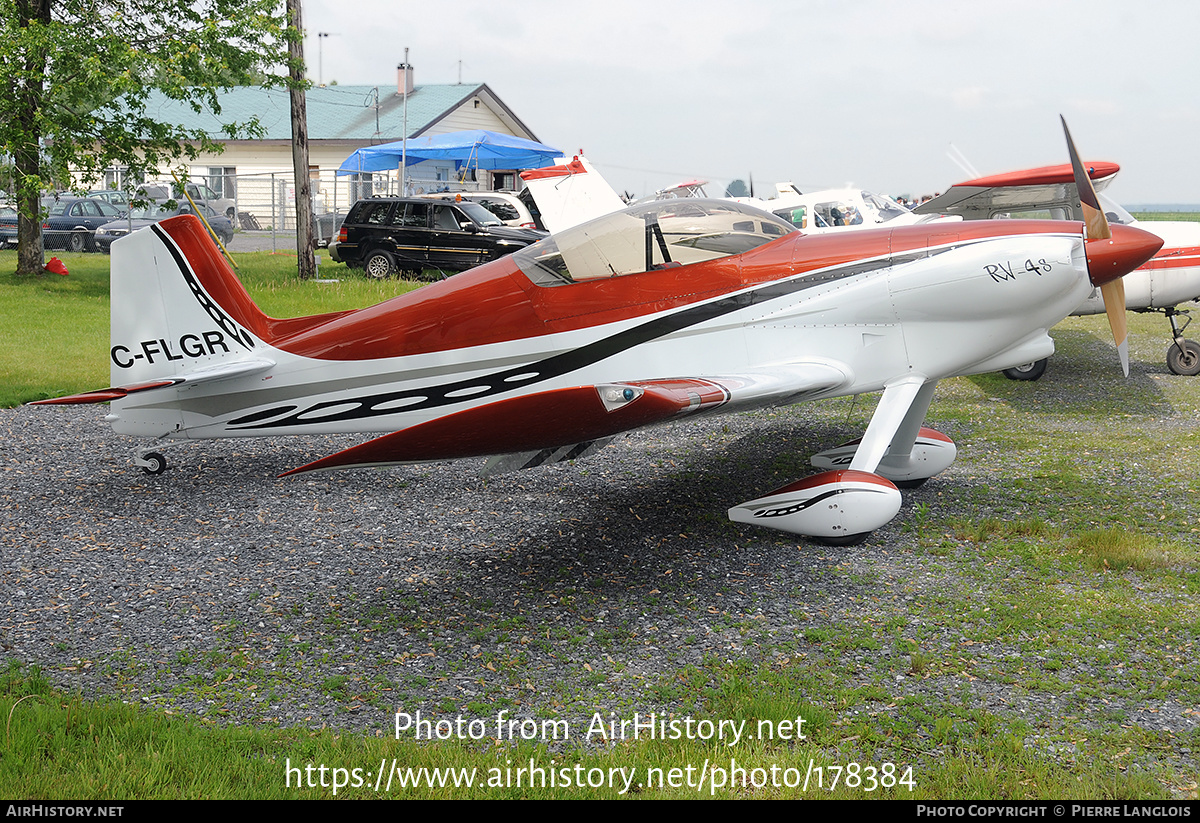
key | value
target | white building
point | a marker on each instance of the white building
(257, 173)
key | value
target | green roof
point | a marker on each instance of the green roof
(334, 112)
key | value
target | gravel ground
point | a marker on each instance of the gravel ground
(219, 590)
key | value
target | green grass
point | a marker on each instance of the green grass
(54, 329)
(62, 747)
(1175, 216)
(1119, 549)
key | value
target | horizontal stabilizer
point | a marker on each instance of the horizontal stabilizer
(1019, 191)
(568, 194)
(204, 374)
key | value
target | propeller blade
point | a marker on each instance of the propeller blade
(1113, 293)
(1093, 214)
(1097, 231)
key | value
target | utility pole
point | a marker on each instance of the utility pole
(404, 145)
(321, 35)
(296, 87)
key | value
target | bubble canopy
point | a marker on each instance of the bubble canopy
(659, 235)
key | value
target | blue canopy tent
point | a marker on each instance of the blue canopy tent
(470, 149)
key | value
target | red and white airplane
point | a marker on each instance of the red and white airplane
(642, 316)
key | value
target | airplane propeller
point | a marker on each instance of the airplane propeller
(1097, 229)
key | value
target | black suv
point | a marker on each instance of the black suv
(408, 234)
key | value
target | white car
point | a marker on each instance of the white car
(505, 205)
(199, 192)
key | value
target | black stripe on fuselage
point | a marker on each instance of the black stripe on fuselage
(528, 374)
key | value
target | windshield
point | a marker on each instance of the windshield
(479, 214)
(658, 235)
(838, 213)
(153, 211)
(499, 208)
(1114, 212)
(885, 207)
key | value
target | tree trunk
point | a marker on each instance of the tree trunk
(27, 160)
(304, 218)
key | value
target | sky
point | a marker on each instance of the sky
(824, 93)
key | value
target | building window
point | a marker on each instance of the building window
(223, 181)
(117, 178)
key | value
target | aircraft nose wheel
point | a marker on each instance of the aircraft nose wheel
(1184, 358)
(152, 463)
(1029, 371)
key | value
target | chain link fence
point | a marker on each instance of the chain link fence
(261, 203)
(266, 202)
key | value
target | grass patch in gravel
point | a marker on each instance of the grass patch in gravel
(1118, 549)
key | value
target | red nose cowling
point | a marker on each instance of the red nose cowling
(1120, 254)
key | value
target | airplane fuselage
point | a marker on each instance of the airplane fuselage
(868, 306)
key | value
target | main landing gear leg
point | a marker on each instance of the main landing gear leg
(858, 492)
(913, 455)
(1183, 357)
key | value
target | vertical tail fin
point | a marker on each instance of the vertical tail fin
(176, 305)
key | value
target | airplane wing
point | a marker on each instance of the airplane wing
(1045, 188)
(565, 422)
(203, 374)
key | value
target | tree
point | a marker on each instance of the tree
(737, 189)
(76, 77)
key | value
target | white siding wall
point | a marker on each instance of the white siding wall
(264, 187)
(468, 118)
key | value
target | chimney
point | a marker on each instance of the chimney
(404, 78)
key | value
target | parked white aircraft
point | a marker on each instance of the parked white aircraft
(574, 192)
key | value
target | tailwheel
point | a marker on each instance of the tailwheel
(152, 463)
